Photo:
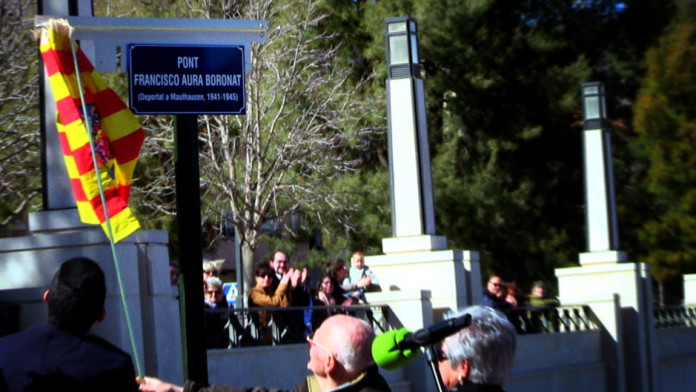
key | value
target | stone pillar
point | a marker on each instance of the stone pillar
(57, 193)
(631, 331)
(690, 289)
(452, 276)
(605, 271)
(413, 311)
(415, 258)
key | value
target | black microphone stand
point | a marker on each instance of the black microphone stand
(432, 358)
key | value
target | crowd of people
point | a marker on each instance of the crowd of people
(506, 295)
(278, 285)
(518, 307)
(478, 357)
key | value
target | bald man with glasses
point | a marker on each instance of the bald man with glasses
(340, 359)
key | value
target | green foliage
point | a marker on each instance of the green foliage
(665, 123)
(368, 193)
(502, 80)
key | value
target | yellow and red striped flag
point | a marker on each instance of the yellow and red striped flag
(116, 132)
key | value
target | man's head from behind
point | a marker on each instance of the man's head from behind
(340, 349)
(483, 352)
(76, 296)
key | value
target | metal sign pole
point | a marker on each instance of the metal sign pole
(188, 212)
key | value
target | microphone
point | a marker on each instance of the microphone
(393, 349)
(386, 350)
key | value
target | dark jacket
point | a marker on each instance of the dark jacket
(369, 381)
(46, 358)
(489, 299)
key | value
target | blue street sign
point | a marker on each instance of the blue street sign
(193, 79)
(231, 291)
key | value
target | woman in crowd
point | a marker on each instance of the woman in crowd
(263, 295)
(216, 333)
(338, 272)
(325, 295)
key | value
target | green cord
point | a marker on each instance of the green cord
(88, 127)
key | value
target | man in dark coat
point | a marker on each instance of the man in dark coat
(62, 355)
(292, 322)
(493, 294)
(340, 358)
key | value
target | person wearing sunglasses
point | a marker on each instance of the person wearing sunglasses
(265, 295)
(340, 359)
(480, 356)
(494, 294)
(215, 321)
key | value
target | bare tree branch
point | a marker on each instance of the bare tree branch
(20, 179)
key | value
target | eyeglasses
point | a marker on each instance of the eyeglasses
(311, 342)
(213, 291)
(496, 284)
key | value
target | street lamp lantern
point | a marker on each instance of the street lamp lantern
(402, 47)
(594, 105)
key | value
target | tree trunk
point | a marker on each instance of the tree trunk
(248, 266)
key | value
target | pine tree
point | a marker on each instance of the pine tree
(665, 121)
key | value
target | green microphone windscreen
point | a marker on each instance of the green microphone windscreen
(386, 351)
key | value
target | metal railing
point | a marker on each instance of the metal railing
(244, 327)
(675, 316)
(551, 319)
(230, 328)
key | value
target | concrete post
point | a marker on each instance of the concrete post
(57, 193)
(413, 310)
(415, 258)
(690, 289)
(605, 271)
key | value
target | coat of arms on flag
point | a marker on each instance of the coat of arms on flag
(115, 131)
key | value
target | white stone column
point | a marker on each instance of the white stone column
(632, 332)
(605, 272)
(57, 193)
(413, 310)
(690, 289)
(452, 276)
(414, 257)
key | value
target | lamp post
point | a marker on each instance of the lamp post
(618, 292)
(602, 233)
(409, 155)
(402, 47)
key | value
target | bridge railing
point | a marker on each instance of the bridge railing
(551, 319)
(675, 316)
(243, 327)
